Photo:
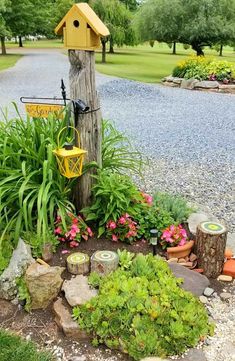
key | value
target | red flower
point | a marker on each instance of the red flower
(73, 244)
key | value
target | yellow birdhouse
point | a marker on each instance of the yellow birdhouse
(81, 28)
(70, 158)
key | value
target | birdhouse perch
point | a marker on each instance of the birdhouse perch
(81, 28)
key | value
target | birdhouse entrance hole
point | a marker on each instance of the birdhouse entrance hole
(76, 23)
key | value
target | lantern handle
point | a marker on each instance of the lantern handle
(69, 126)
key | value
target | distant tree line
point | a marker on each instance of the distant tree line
(195, 23)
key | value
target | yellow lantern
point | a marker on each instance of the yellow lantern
(70, 158)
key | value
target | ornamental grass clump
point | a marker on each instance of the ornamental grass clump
(141, 310)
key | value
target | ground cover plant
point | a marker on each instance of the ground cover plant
(141, 310)
(13, 348)
(203, 68)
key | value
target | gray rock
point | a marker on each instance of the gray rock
(189, 83)
(208, 292)
(44, 283)
(65, 322)
(231, 241)
(227, 88)
(169, 78)
(20, 260)
(178, 80)
(203, 299)
(193, 282)
(207, 84)
(194, 355)
(225, 296)
(77, 290)
(196, 218)
(78, 358)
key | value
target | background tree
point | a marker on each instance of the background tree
(3, 28)
(118, 19)
(198, 23)
(131, 4)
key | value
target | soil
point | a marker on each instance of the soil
(40, 325)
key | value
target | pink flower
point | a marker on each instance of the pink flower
(65, 251)
(62, 239)
(58, 230)
(114, 238)
(73, 244)
(126, 215)
(84, 236)
(183, 233)
(182, 242)
(166, 234)
(148, 199)
(89, 231)
(122, 220)
(112, 225)
(58, 219)
(75, 220)
(74, 228)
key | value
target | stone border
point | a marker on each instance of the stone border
(194, 84)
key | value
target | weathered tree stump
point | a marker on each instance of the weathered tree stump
(104, 262)
(210, 246)
(78, 263)
(82, 86)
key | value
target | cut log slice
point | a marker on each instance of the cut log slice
(78, 263)
(210, 245)
(104, 262)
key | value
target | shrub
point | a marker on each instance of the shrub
(142, 311)
(203, 68)
(114, 195)
(176, 206)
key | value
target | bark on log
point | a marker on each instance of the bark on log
(82, 86)
(104, 262)
(209, 247)
(78, 263)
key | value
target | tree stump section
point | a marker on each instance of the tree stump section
(82, 86)
(104, 262)
(210, 246)
(78, 263)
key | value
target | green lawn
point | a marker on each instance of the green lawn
(54, 43)
(141, 63)
(13, 348)
(148, 64)
(6, 61)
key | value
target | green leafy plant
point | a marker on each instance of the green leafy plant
(125, 259)
(114, 194)
(152, 218)
(143, 311)
(118, 154)
(176, 206)
(23, 293)
(36, 243)
(31, 187)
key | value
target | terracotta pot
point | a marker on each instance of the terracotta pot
(180, 251)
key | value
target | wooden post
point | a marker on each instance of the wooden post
(82, 86)
(209, 247)
(104, 262)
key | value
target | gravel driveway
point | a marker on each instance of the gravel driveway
(188, 136)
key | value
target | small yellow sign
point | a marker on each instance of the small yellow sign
(43, 110)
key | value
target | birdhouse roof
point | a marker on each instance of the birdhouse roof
(84, 10)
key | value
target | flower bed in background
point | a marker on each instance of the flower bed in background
(199, 72)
